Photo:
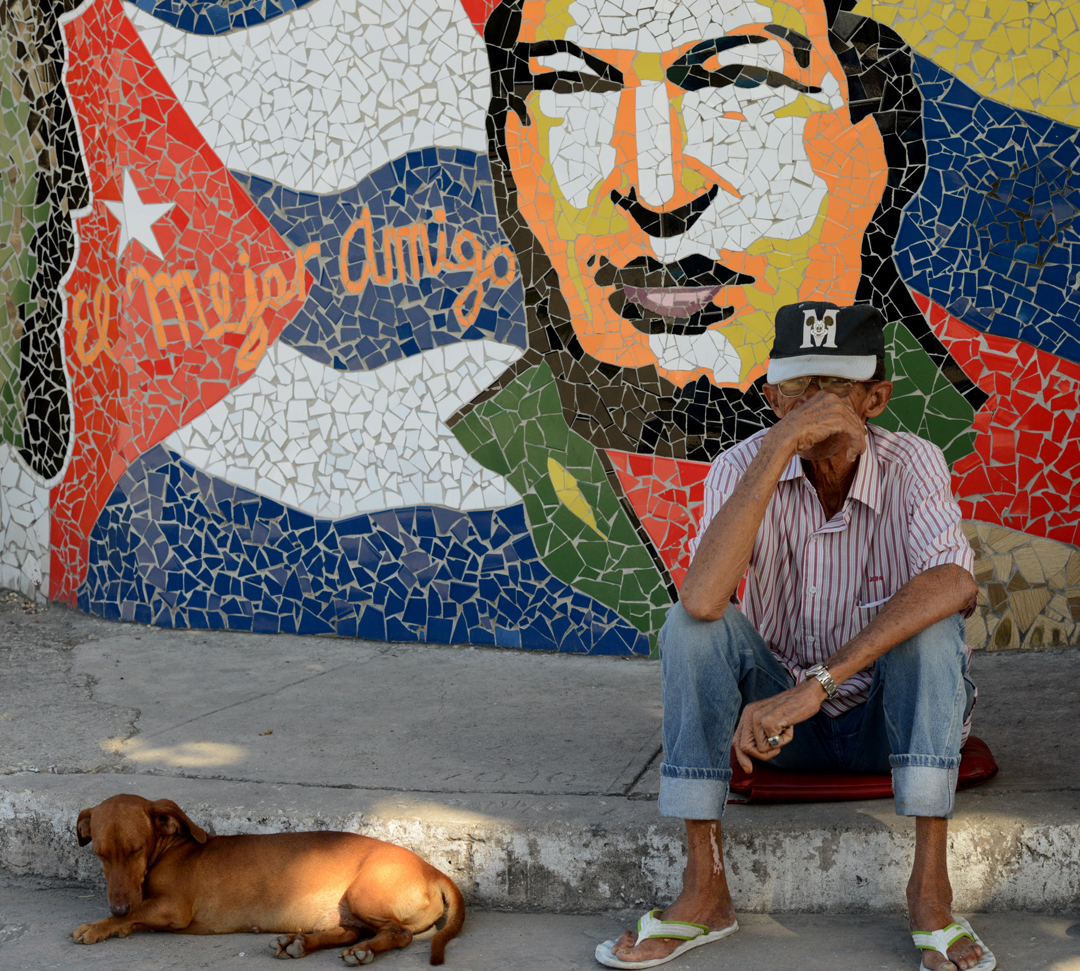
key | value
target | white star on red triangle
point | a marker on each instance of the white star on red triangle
(137, 218)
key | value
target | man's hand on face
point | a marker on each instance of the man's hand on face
(820, 425)
(777, 715)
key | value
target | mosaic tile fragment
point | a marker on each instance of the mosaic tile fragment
(24, 527)
(217, 16)
(1024, 472)
(667, 496)
(337, 443)
(320, 98)
(45, 184)
(521, 434)
(992, 235)
(179, 548)
(1022, 55)
(1030, 590)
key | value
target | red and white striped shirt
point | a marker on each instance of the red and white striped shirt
(812, 585)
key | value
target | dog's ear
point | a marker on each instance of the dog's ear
(82, 827)
(169, 818)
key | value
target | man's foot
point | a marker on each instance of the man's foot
(962, 956)
(695, 909)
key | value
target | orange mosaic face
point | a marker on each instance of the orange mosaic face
(688, 170)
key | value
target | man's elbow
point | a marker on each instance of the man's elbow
(699, 609)
(969, 589)
(965, 586)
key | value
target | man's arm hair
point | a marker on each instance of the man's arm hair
(724, 551)
(925, 599)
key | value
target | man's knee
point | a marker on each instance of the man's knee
(685, 640)
(928, 669)
(935, 650)
(700, 648)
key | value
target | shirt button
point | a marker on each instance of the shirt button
(810, 640)
(812, 589)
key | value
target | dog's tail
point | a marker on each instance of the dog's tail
(455, 917)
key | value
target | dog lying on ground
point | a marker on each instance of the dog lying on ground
(322, 889)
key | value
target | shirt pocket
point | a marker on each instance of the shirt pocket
(874, 604)
(874, 591)
(873, 594)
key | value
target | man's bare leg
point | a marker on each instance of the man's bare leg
(929, 895)
(704, 899)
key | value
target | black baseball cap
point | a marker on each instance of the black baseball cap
(817, 337)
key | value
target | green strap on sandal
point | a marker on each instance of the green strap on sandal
(650, 925)
(940, 940)
(945, 938)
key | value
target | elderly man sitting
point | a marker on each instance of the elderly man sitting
(857, 579)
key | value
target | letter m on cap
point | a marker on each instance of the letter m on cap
(819, 331)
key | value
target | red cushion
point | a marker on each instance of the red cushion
(769, 784)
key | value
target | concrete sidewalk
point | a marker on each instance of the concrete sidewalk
(35, 916)
(529, 778)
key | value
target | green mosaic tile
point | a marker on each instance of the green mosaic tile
(924, 402)
(518, 433)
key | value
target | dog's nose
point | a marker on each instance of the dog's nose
(120, 910)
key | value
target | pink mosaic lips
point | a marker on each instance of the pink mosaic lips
(672, 301)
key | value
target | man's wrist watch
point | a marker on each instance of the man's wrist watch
(821, 672)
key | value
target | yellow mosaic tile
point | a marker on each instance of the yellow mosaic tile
(1026, 56)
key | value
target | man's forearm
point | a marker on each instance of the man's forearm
(923, 600)
(725, 549)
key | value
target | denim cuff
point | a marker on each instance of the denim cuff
(924, 790)
(925, 761)
(693, 793)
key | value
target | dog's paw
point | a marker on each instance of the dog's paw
(289, 946)
(89, 933)
(355, 956)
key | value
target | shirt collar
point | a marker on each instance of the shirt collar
(866, 488)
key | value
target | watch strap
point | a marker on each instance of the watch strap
(821, 672)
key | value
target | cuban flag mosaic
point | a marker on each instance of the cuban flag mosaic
(424, 321)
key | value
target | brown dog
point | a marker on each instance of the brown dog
(325, 889)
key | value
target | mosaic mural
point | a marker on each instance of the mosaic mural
(422, 321)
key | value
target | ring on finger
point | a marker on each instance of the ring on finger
(773, 740)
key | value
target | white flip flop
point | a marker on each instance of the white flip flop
(943, 939)
(650, 925)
